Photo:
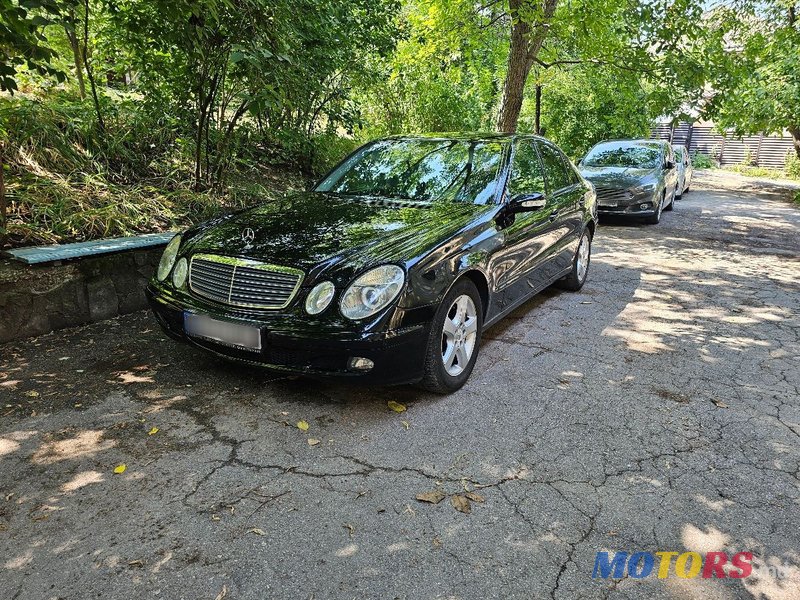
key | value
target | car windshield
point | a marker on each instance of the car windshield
(423, 170)
(616, 155)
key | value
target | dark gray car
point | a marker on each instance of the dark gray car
(633, 178)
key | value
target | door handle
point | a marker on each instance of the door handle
(553, 215)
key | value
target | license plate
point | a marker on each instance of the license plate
(224, 332)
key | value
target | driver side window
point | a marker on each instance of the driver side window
(527, 176)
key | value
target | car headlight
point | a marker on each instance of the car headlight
(371, 292)
(168, 258)
(642, 189)
(179, 273)
(319, 298)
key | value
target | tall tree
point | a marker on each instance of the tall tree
(530, 21)
(756, 84)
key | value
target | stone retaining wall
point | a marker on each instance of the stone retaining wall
(39, 299)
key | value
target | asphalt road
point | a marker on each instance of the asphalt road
(658, 409)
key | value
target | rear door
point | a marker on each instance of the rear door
(566, 193)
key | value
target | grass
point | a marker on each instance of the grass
(752, 171)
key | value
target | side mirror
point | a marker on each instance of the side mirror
(527, 202)
(579, 162)
(670, 165)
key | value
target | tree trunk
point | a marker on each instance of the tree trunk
(526, 42)
(3, 205)
(795, 131)
(76, 53)
(538, 123)
(101, 123)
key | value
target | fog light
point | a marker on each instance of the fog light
(359, 363)
(644, 205)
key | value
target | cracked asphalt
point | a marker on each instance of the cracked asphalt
(658, 409)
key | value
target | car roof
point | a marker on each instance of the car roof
(635, 142)
(467, 136)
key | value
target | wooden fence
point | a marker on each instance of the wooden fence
(758, 150)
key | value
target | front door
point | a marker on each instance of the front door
(528, 236)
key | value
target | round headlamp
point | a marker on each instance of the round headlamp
(179, 273)
(372, 292)
(168, 258)
(319, 298)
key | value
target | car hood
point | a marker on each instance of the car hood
(619, 177)
(315, 231)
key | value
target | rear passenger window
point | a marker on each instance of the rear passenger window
(526, 174)
(555, 171)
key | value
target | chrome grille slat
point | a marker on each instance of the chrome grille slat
(242, 282)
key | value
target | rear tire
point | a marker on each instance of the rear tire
(454, 339)
(580, 264)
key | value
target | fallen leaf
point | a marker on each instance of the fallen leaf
(719, 403)
(349, 528)
(405, 424)
(216, 518)
(437, 543)
(139, 563)
(153, 431)
(433, 497)
(312, 442)
(120, 469)
(475, 497)
(396, 406)
(461, 504)
(302, 425)
(32, 394)
(222, 593)
(257, 531)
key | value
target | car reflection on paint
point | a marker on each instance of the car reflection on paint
(390, 269)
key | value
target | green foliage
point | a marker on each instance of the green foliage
(792, 166)
(23, 42)
(702, 161)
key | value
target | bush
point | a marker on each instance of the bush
(702, 161)
(792, 166)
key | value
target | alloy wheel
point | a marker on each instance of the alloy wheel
(459, 334)
(583, 258)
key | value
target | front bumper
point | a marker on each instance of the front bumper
(397, 355)
(637, 206)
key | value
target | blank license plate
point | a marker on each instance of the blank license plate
(230, 334)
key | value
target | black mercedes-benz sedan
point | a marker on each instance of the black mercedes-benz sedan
(391, 267)
(633, 178)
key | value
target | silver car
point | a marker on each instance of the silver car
(685, 170)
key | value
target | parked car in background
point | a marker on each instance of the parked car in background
(633, 178)
(389, 270)
(685, 170)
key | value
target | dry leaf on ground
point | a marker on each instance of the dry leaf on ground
(302, 425)
(475, 497)
(719, 403)
(396, 406)
(257, 531)
(461, 504)
(312, 442)
(120, 469)
(433, 497)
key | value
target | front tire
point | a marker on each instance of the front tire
(580, 264)
(656, 218)
(454, 339)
